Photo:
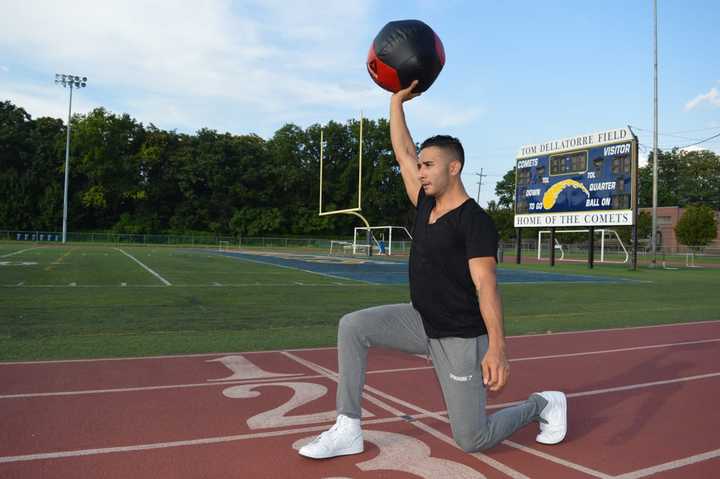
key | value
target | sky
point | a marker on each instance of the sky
(517, 72)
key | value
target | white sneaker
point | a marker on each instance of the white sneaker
(555, 414)
(344, 438)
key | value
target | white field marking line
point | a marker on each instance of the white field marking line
(258, 381)
(609, 311)
(649, 471)
(188, 442)
(236, 285)
(166, 282)
(240, 258)
(178, 356)
(21, 251)
(599, 281)
(424, 427)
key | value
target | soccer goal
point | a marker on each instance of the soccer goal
(224, 246)
(384, 240)
(612, 249)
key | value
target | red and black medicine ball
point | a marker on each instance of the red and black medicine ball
(404, 51)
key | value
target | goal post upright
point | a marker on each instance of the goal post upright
(350, 211)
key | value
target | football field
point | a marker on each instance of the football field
(80, 301)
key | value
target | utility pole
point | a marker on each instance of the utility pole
(480, 181)
(653, 237)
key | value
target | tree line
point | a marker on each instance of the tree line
(129, 178)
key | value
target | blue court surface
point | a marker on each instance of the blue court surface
(386, 271)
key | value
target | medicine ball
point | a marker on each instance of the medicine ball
(404, 51)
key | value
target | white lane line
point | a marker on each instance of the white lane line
(557, 460)
(618, 350)
(396, 370)
(652, 470)
(81, 392)
(628, 387)
(21, 251)
(424, 427)
(149, 358)
(188, 442)
(611, 330)
(166, 282)
(84, 392)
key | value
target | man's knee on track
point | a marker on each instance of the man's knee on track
(473, 441)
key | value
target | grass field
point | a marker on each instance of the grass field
(80, 301)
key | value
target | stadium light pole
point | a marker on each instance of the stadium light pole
(653, 237)
(68, 81)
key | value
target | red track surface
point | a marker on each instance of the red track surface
(642, 403)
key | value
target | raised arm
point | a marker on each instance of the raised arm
(402, 142)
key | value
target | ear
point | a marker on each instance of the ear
(455, 167)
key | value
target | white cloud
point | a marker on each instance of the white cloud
(187, 63)
(44, 100)
(712, 97)
(443, 115)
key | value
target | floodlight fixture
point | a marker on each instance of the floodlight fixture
(72, 81)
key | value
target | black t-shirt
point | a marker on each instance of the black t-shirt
(441, 287)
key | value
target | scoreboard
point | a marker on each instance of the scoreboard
(586, 180)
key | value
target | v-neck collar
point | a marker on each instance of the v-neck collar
(444, 214)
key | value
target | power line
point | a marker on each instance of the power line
(672, 132)
(701, 141)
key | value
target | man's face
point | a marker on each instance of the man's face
(435, 169)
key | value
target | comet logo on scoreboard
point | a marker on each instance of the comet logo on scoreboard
(559, 181)
(551, 195)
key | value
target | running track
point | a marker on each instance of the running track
(643, 403)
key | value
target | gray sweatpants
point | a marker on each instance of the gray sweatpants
(457, 363)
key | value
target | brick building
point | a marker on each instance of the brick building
(667, 218)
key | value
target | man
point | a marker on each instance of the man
(455, 314)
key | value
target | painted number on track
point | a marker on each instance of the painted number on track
(402, 453)
(242, 368)
(303, 393)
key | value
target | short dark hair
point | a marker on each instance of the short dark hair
(449, 143)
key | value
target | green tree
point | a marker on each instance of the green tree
(503, 219)
(684, 178)
(31, 170)
(505, 190)
(697, 226)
